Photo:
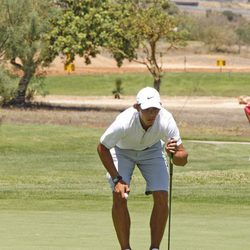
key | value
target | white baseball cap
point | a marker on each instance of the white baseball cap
(148, 98)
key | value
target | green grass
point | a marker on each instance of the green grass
(54, 195)
(59, 162)
(184, 84)
(193, 227)
(210, 133)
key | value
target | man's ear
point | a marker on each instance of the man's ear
(137, 106)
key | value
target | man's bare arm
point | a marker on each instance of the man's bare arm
(107, 160)
(180, 155)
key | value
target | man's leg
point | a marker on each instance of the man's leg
(121, 220)
(159, 217)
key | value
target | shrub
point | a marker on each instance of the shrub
(7, 91)
(118, 89)
(36, 87)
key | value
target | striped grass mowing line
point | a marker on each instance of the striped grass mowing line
(217, 177)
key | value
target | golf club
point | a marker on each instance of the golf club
(170, 196)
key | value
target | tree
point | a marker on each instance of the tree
(215, 31)
(231, 16)
(24, 25)
(243, 32)
(3, 34)
(128, 29)
(139, 27)
(78, 29)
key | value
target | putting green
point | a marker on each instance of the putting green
(194, 226)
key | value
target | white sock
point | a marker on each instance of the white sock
(155, 249)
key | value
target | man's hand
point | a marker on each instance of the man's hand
(122, 188)
(179, 153)
(171, 146)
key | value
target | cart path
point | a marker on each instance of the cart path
(181, 102)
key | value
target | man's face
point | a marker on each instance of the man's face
(148, 116)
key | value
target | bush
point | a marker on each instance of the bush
(7, 91)
(118, 89)
(214, 30)
(36, 87)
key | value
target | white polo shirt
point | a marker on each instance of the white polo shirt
(126, 131)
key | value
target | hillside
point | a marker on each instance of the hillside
(241, 7)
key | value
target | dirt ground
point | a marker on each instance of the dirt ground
(194, 115)
(183, 60)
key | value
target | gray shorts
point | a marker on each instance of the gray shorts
(150, 161)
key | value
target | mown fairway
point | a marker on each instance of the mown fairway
(180, 84)
(53, 194)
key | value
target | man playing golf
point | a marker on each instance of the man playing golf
(136, 138)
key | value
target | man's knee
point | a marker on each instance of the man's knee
(118, 201)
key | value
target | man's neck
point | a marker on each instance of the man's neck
(145, 127)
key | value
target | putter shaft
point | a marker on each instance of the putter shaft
(170, 197)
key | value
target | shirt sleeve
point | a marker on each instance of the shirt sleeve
(113, 134)
(172, 131)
